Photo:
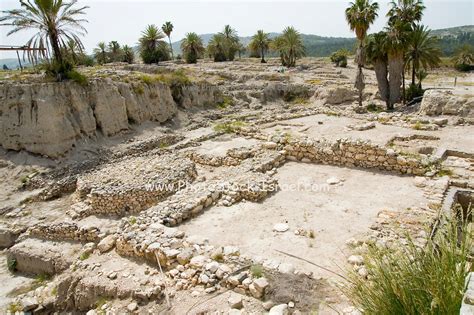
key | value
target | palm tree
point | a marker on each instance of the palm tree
(397, 40)
(464, 58)
(192, 47)
(260, 44)
(290, 46)
(422, 51)
(216, 48)
(152, 48)
(167, 29)
(360, 15)
(231, 42)
(73, 50)
(55, 23)
(376, 54)
(405, 11)
(402, 18)
(115, 51)
(100, 53)
(128, 54)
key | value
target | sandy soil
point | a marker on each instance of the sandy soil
(335, 213)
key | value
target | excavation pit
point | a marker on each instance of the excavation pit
(324, 205)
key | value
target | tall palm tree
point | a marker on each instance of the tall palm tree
(406, 11)
(55, 23)
(422, 51)
(360, 15)
(397, 38)
(402, 18)
(231, 42)
(128, 54)
(115, 51)
(192, 47)
(376, 54)
(152, 48)
(217, 47)
(167, 29)
(100, 53)
(260, 44)
(290, 46)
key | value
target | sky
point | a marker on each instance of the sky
(124, 20)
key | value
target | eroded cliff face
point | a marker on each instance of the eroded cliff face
(48, 118)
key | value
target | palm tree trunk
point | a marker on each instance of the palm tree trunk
(359, 82)
(403, 84)
(263, 57)
(413, 73)
(381, 73)
(395, 70)
(171, 47)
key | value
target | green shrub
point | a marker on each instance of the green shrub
(408, 279)
(226, 102)
(256, 271)
(413, 91)
(373, 108)
(11, 264)
(339, 58)
(464, 67)
(77, 77)
(229, 127)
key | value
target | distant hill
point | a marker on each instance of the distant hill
(452, 38)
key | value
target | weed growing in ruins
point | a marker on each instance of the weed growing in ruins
(229, 127)
(138, 89)
(54, 291)
(311, 234)
(374, 108)
(84, 256)
(78, 77)
(417, 126)
(132, 220)
(14, 308)
(412, 280)
(219, 257)
(256, 271)
(11, 264)
(100, 302)
(226, 102)
(444, 172)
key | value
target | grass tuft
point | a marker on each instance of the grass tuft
(414, 280)
(256, 271)
(229, 127)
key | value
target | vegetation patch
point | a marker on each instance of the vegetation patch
(256, 271)
(407, 279)
(229, 127)
(226, 102)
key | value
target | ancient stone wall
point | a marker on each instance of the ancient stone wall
(354, 154)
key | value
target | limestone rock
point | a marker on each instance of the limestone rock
(107, 243)
(281, 227)
(440, 102)
(281, 309)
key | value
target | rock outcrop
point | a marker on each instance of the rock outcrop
(439, 102)
(335, 95)
(48, 118)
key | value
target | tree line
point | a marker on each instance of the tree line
(405, 44)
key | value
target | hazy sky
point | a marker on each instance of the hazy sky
(124, 20)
